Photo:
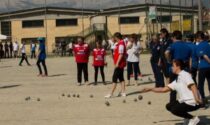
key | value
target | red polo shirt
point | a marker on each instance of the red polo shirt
(81, 52)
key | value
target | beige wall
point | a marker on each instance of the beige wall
(52, 31)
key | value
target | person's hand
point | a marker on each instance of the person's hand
(159, 64)
(117, 65)
(105, 63)
(199, 101)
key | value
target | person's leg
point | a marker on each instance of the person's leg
(15, 54)
(85, 70)
(154, 68)
(114, 80)
(181, 109)
(201, 80)
(135, 69)
(79, 73)
(34, 54)
(194, 74)
(11, 53)
(102, 74)
(207, 74)
(26, 59)
(159, 76)
(96, 74)
(22, 58)
(39, 67)
(122, 81)
(129, 71)
(7, 53)
(45, 67)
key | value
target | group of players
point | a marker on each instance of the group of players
(177, 59)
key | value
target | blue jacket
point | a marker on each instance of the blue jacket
(180, 50)
(203, 49)
(193, 55)
(42, 55)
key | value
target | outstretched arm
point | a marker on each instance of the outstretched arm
(157, 90)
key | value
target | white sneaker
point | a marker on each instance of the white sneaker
(108, 96)
(87, 83)
(123, 94)
(194, 121)
(78, 84)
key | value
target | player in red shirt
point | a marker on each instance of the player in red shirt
(120, 63)
(99, 61)
(81, 53)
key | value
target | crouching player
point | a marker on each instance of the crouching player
(189, 97)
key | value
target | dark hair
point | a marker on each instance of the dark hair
(118, 35)
(190, 37)
(164, 30)
(134, 36)
(177, 34)
(179, 63)
(200, 34)
(81, 37)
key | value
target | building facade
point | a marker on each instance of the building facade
(64, 24)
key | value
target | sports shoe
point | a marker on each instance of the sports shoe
(78, 84)
(87, 83)
(108, 96)
(194, 121)
(123, 94)
(131, 75)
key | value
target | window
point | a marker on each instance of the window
(6, 28)
(187, 17)
(129, 20)
(162, 19)
(66, 22)
(33, 24)
(28, 41)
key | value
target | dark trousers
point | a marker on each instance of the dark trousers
(132, 66)
(24, 57)
(44, 66)
(1, 54)
(6, 54)
(70, 52)
(102, 73)
(11, 53)
(159, 79)
(63, 52)
(181, 109)
(33, 54)
(82, 67)
(203, 74)
(194, 74)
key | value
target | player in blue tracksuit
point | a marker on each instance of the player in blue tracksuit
(165, 42)
(179, 50)
(155, 61)
(203, 53)
(42, 57)
(194, 58)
